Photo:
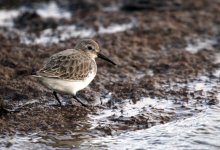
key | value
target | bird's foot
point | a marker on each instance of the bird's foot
(82, 100)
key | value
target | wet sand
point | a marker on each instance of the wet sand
(154, 56)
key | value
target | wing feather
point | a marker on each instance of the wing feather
(73, 66)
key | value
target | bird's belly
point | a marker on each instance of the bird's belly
(67, 86)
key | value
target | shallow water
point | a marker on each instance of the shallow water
(201, 131)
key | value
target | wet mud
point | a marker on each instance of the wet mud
(152, 63)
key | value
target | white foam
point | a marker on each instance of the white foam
(114, 28)
(49, 36)
(7, 16)
(200, 44)
(49, 10)
(112, 8)
(216, 73)
(217, 58)
(52, 10)
(65, 32)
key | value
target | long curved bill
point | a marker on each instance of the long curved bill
(105, 58)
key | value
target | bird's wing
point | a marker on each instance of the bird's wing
(67, 66)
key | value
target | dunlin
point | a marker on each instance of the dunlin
(71, 70)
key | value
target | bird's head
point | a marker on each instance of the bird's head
(92, 49)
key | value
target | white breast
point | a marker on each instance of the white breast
(67, 86)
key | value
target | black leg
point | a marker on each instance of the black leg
(79, 100)
(55, 94)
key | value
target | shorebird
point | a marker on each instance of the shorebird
(71, 70)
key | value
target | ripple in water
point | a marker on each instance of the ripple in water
(198, 132)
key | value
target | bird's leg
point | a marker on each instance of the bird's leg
(55, 94)
(80, 100)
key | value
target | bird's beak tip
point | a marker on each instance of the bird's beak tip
(105, 58)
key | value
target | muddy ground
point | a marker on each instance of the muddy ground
(148, 56)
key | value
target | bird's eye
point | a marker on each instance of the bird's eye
(89, 47)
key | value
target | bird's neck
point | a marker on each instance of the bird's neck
(91, 55)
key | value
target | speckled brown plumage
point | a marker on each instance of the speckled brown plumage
(70, 64)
